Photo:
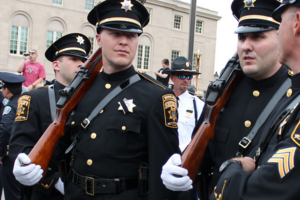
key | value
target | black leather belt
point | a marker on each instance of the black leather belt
(94, 186)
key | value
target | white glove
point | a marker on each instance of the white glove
(27, 175)
(172, 167)
(59, 185)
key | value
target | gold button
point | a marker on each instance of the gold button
(107, 86)
(247, 123)
(46, 185)
(291, 73)
(72, 123)
(123, 128)
(256, 93)
(101, 111)
(93, 135)
(289, 92)
(89, 162)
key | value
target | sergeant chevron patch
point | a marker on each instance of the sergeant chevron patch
(285, 160)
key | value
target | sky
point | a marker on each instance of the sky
(226, 38)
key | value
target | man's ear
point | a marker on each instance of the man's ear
(296, 26)
(55, 65)
(98, 38)
(172, 77)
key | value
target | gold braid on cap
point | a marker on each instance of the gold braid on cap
(123, 19)
(259, 17)
(70, 48)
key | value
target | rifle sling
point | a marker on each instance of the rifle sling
(84, 124)
(52, 101)
(284, 116)
(245, 142)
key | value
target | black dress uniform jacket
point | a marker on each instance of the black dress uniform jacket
(10, 184)
(34, 117)
(115, 143)
(238, 117)
(277, 171)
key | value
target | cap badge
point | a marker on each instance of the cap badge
(126, 5)
(249, 3)
(123, 26)
(187, 64)
(80, 40)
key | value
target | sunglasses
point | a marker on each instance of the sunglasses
(183, 76)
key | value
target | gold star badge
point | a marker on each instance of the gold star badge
(126, 5)
(249, 3)
(172, 114)
(129, 104)
(20, 110)
(187, 64)
(80, 40)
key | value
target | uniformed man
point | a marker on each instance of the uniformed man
(11, 86)
(261, 87)
(135, 132)
(275, 173)
(36, 110)
(189, 107)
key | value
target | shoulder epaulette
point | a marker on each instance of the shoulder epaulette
(150, 79)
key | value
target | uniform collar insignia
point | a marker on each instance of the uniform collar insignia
(126, 5)
(249, 3)
(80, 40)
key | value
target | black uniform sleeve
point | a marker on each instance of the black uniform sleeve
(5, 129)
(273, 179)
(163, 142)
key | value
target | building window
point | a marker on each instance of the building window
(174, 55)
(199, 25)
(18, 40)
(52, 36)
(89, 4)
(150, 13)
(92, 46)
(59, 2)
(143, 57)
(177, 21)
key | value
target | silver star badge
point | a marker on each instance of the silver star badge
(129, 104)
(80, 40)
(126, 5)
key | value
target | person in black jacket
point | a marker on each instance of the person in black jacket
(258, 54)
(11, 86)
(162, 74)
(36, 111)
(120, 150)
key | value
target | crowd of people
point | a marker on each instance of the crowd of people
(125, 136)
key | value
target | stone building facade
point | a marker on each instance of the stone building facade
(35, 24)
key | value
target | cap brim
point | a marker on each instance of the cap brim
(277, 12)
(249, 29)
(128, 29)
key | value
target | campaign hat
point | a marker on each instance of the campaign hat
(73, 44)
(181, 64)
(278, 11)
(255, 15)
(121, 15)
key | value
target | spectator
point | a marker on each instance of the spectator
(161, 75)
(33, 71)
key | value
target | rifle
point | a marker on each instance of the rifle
(70, 97)
(220, 91)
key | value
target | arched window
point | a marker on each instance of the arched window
(55, 30)
(19, 34)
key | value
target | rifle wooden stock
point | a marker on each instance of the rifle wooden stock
(193, 154)
(44, 148)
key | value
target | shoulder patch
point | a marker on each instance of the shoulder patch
(5, 101)
(23, 108)
(149, 78)
(284, 158)
(170, 110)
(295, 136)
(6, 110)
